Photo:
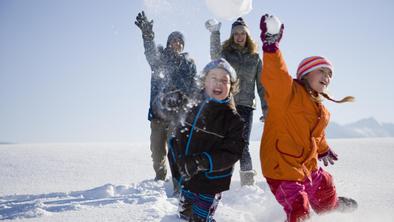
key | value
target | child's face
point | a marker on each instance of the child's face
(319, 79)
(217, 84)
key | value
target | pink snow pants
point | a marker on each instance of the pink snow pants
(295, 197)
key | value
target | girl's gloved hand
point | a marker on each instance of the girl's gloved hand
(328, 157)
(271, 32)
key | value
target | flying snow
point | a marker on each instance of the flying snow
(229, 9)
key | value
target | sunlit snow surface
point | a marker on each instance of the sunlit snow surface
(113, 182)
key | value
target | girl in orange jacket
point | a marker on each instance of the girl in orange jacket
(294, 137)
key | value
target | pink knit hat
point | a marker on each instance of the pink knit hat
(312, 63)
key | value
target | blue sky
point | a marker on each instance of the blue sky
(74, 70)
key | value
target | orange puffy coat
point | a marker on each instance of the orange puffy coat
(294, 128)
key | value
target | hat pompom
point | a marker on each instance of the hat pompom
(239, 21)
(239, 24)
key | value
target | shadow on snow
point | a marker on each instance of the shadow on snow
(29, 206)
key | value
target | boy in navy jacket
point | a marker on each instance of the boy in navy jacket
(208, 144)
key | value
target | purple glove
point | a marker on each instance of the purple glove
(328, 157)
(270, 41)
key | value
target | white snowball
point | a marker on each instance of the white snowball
(273, 24)
(229, 9)
(212, 22)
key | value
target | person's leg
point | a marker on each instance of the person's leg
(186, 199)
(246, 114)
(246, 173)
(292, 196)
(173, 167)
(213, 207)
(158, 141)
(204, 207)
(321, 191)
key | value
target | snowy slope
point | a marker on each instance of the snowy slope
(112, 182)
(370, 127)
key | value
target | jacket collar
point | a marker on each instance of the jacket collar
(208, 99)
(223, 101)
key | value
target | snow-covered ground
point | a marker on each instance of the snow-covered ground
(113, 182)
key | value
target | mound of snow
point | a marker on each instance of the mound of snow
(154, 194)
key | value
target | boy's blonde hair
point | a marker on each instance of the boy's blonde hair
(221, 63)
(234, 84)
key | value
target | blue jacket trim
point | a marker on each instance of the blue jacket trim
(207, 198)
(180, 181)
(223, 101)
(210, 161)
(170, 148)
(188, 194)
(200, 212)
(218, 176)
(191, 130)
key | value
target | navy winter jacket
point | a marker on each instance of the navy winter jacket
(213, 129)
(169, 72)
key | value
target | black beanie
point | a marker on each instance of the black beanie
(238, 22)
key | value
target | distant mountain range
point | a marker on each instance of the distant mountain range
(363, 128)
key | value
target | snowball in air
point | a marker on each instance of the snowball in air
(229, 9)
(212, 22)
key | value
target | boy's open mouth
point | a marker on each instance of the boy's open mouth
(217, 91)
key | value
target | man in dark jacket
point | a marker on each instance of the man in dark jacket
(172, 80)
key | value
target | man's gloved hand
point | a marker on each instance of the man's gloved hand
(192, 165)
(168, 105)
(328, 157)
(271, 32)
(213, 25)
(145, 25)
